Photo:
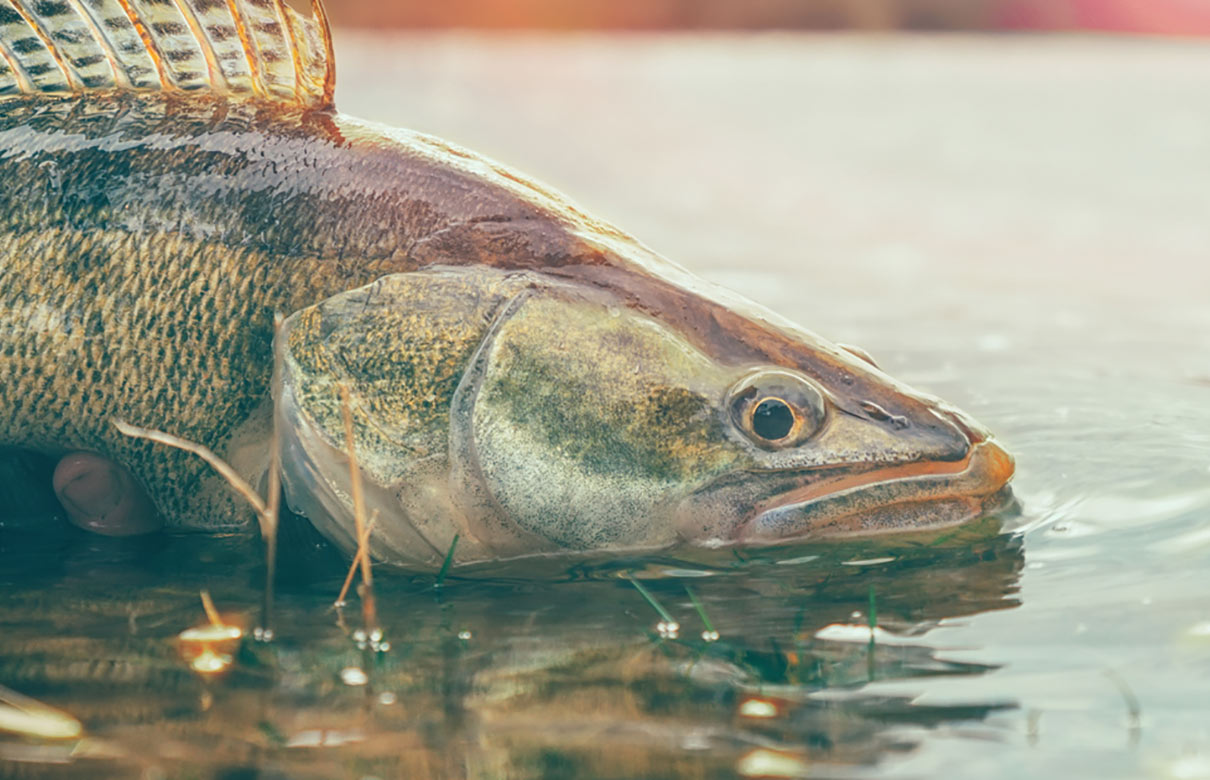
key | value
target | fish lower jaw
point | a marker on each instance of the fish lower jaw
(900, 499)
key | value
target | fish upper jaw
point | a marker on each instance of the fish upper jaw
(927, 495)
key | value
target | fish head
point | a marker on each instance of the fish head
(531, 413)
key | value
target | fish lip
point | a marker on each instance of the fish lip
(835, 505)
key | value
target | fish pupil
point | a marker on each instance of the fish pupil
(772, 419)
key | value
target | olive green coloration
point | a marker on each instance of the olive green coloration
(500, 405)
(522, 376)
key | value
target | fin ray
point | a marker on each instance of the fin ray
(253, 48)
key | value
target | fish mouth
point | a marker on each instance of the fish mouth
(907, 497)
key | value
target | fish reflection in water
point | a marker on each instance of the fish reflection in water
(499, 676)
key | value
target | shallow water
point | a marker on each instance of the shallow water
(1018, 225)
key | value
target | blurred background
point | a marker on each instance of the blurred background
(1179, 17)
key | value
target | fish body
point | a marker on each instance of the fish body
(522, 376)
(149, 240)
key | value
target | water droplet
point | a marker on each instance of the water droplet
(758, 708)
(353, 675)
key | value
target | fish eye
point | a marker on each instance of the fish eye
(772, 419)
(776, 409)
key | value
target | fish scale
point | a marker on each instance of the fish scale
(164, 296)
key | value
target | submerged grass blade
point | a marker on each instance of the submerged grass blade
(657, 606)
(1133, 707)
(872, 619)
(701, 611)
(445, 565)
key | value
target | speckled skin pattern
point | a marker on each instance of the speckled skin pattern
(146, 242)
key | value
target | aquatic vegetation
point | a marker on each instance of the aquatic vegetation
(445, 564)
(267, 509)
(709, 634)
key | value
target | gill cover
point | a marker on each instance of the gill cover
(590, 423)
(401, 347)
(520, 413)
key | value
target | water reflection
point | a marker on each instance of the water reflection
(500, 677)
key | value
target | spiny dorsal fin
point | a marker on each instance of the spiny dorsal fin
(259, 48)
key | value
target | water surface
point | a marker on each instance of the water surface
(1017, 225)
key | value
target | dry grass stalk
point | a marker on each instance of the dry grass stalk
(363, 550)
(270, 521)
(266, 513)
(368, 611)
(217, 463)
(211, 612)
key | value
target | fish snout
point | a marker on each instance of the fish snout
(974, 431)
(986, 457)
(989, 466)
(917, 497)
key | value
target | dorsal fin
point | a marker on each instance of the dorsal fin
(260, 48)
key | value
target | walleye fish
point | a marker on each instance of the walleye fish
(520, 374)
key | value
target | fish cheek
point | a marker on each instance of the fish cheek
(592, 423)
(401, 347)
